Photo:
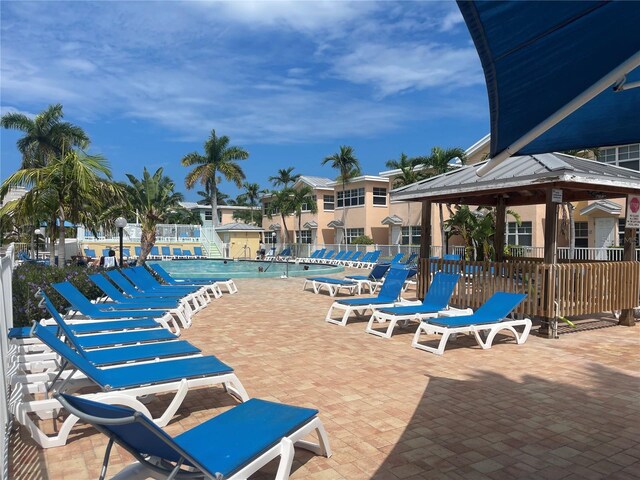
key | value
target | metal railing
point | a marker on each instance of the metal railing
(6, 311)
(606, 254)
(133, 232)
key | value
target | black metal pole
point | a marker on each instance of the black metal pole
(37, 246)
(121, 235)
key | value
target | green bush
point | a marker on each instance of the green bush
(362, 240)
(28, 278)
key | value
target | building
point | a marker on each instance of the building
(365, 209)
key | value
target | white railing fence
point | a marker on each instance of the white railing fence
(133, 232)
(6, 310)
(608, 254)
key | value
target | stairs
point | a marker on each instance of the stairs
(211, 250)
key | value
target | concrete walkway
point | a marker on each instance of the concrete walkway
(561, 409)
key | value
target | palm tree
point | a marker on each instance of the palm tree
(67, 188)
(348, 167)
(251, 196)
(437, 163)
(281, 203)
(300, 198)
(220, 158)
(46, 136)
(284, 178)
(154, 198)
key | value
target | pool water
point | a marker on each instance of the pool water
(242, 269)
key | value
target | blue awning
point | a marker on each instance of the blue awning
(542, 57)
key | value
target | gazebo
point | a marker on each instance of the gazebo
(553, 289)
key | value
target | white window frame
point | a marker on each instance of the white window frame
(621, 155)
(584, 234)
(355, 197)
(379, 195)
(304, 235)
(326, 201)
(352, 233)
(411, 235)
(518, 234)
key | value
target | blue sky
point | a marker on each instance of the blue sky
(288, 81)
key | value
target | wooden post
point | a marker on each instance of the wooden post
(425, 247)
(550, 230)
(629, 255)
(498, 238)
(425, 233)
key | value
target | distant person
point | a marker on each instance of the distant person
(261, 251)
(109, 261)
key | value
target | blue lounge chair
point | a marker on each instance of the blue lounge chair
(315, 253)
(155, 253)
(436, 299)
(346, 258)
(187, 253)
(286, 252)
(233, 445)
(105, 252)
(411, 258)
(23, 257)
(125, 384)
(166, 251)
(182, 310)
(143, 280)
(138, 251)
(81, 304)
(332, 285)
(89, 252)
(397, 258)
(177, 252)
(487, 320)
(354, 260)
(338, 256)
(166, 277)
(371, 261)
(198, 252)
(388, 295)
(373, 279)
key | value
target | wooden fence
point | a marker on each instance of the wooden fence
(568, 289)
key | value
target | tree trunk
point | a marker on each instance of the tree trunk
(52, 241)
(286, 230)
(214, 202)
(61, 241)
(442, 232)
(147, 240)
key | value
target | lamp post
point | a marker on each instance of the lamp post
(37, 233)
(121, 222)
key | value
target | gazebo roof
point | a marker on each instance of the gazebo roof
(524, 180)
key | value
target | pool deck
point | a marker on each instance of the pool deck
(548, 409)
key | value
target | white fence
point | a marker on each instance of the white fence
(591, 254)
(6, 310)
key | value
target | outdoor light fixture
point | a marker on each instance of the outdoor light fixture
(37, 233)
(121, 222)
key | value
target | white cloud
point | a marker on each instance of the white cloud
(392, 69)
(451, 20)
(4, 109)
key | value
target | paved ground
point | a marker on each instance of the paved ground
(562, 409)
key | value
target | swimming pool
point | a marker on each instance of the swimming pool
(242, 269)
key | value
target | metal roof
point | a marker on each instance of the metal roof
(238, 227)
(523, 175)
(392, 220)
(316, 182)
(606, 206)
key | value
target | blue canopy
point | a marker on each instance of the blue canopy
(552, 69)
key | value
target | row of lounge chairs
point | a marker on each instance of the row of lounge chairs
(164, 252)
(355, 259)
(433, 314)
(125, 346)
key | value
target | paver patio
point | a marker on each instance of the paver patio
(563, 409)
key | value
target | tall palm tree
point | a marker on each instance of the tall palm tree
(251, 196)
(46, 136)
(300, 198)
(348, 167)
(408, 175)
(284, 178)
(66, 187)
(218, 157)
(437, 163)
(281, 203)
(154, 198)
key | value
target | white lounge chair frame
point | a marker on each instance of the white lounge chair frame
(489, 330)
(359, 310)
(383, 317)
(332, 288)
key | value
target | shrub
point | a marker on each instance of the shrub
(362, 240)
(28, 278)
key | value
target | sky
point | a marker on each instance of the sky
(288, 81)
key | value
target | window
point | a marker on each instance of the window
(329, 202)
(268, 210)
(410, 235)
(351, 198)
(271, 237)
(379, 196)
(305, 207)
(304, 236)
(354, 233)
(207, 215)
(520, 234)
(621, 226)
(627, 156)
(582, 234)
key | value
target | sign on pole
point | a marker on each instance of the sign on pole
(556, 195)
(633, 211)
